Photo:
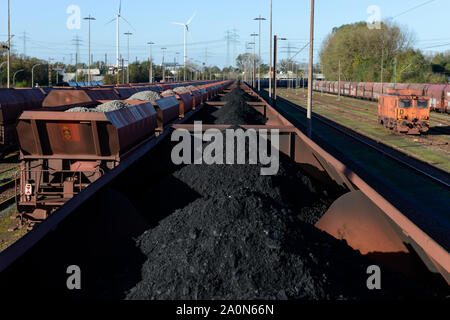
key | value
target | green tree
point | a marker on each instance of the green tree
(361, 51)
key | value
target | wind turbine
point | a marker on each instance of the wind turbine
(186, 30)
(117, 19)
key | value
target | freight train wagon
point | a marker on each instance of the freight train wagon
(62, 153)
(12, 103)
(404, 112)
(439, 94)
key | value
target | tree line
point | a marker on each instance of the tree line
(360, 54)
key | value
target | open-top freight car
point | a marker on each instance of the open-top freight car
(439, 94)
(12, 103)
(62, 153)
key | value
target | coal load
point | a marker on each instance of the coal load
(238, 94)
(237, 111)
(145, 96)
(230, 233)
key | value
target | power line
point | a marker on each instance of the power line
(437, 46)
(413, 8)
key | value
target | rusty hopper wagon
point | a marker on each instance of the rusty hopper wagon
(62, 153)
(12, 103)
(404, 112)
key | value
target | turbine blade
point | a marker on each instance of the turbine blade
(110, 21)
(190, 36)
(128, 23)
(178, 23)
(120, 7)
(192, 18)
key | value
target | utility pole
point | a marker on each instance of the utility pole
(231, 38)
(174, 68)
(228, 38)
(118, 73)
(163, 64)
(151, 62)
(259, 19)
(274, 94)
(25, 38)
(311, 70)
(395, 73)
(382, 61)
(9, 45)
(177, 67)
(339, 82)
(270, 60)
(89, 19)
(128, 34)
(49, 72)
(76, 41)
(123, 71)
(275, 50)
(254, 59)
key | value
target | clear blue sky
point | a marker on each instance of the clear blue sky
(48, 36)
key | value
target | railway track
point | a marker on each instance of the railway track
(7, 187)
(432, 144)
(433, 117)
(433, 173)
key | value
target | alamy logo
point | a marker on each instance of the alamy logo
(374, 20)
(374, 281)
(236, 140)
(74, 20)
(74, 280)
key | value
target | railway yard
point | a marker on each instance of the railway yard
(361, 116)
(215, 231)
(192, 183)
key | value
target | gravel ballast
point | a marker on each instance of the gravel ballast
(239, 235)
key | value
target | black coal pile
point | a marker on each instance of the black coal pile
(237, 111)
(238, 94)
(231, 233)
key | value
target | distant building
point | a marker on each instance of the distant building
(82, 75)
(94, 72)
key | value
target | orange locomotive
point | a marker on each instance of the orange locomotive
(404, 111)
